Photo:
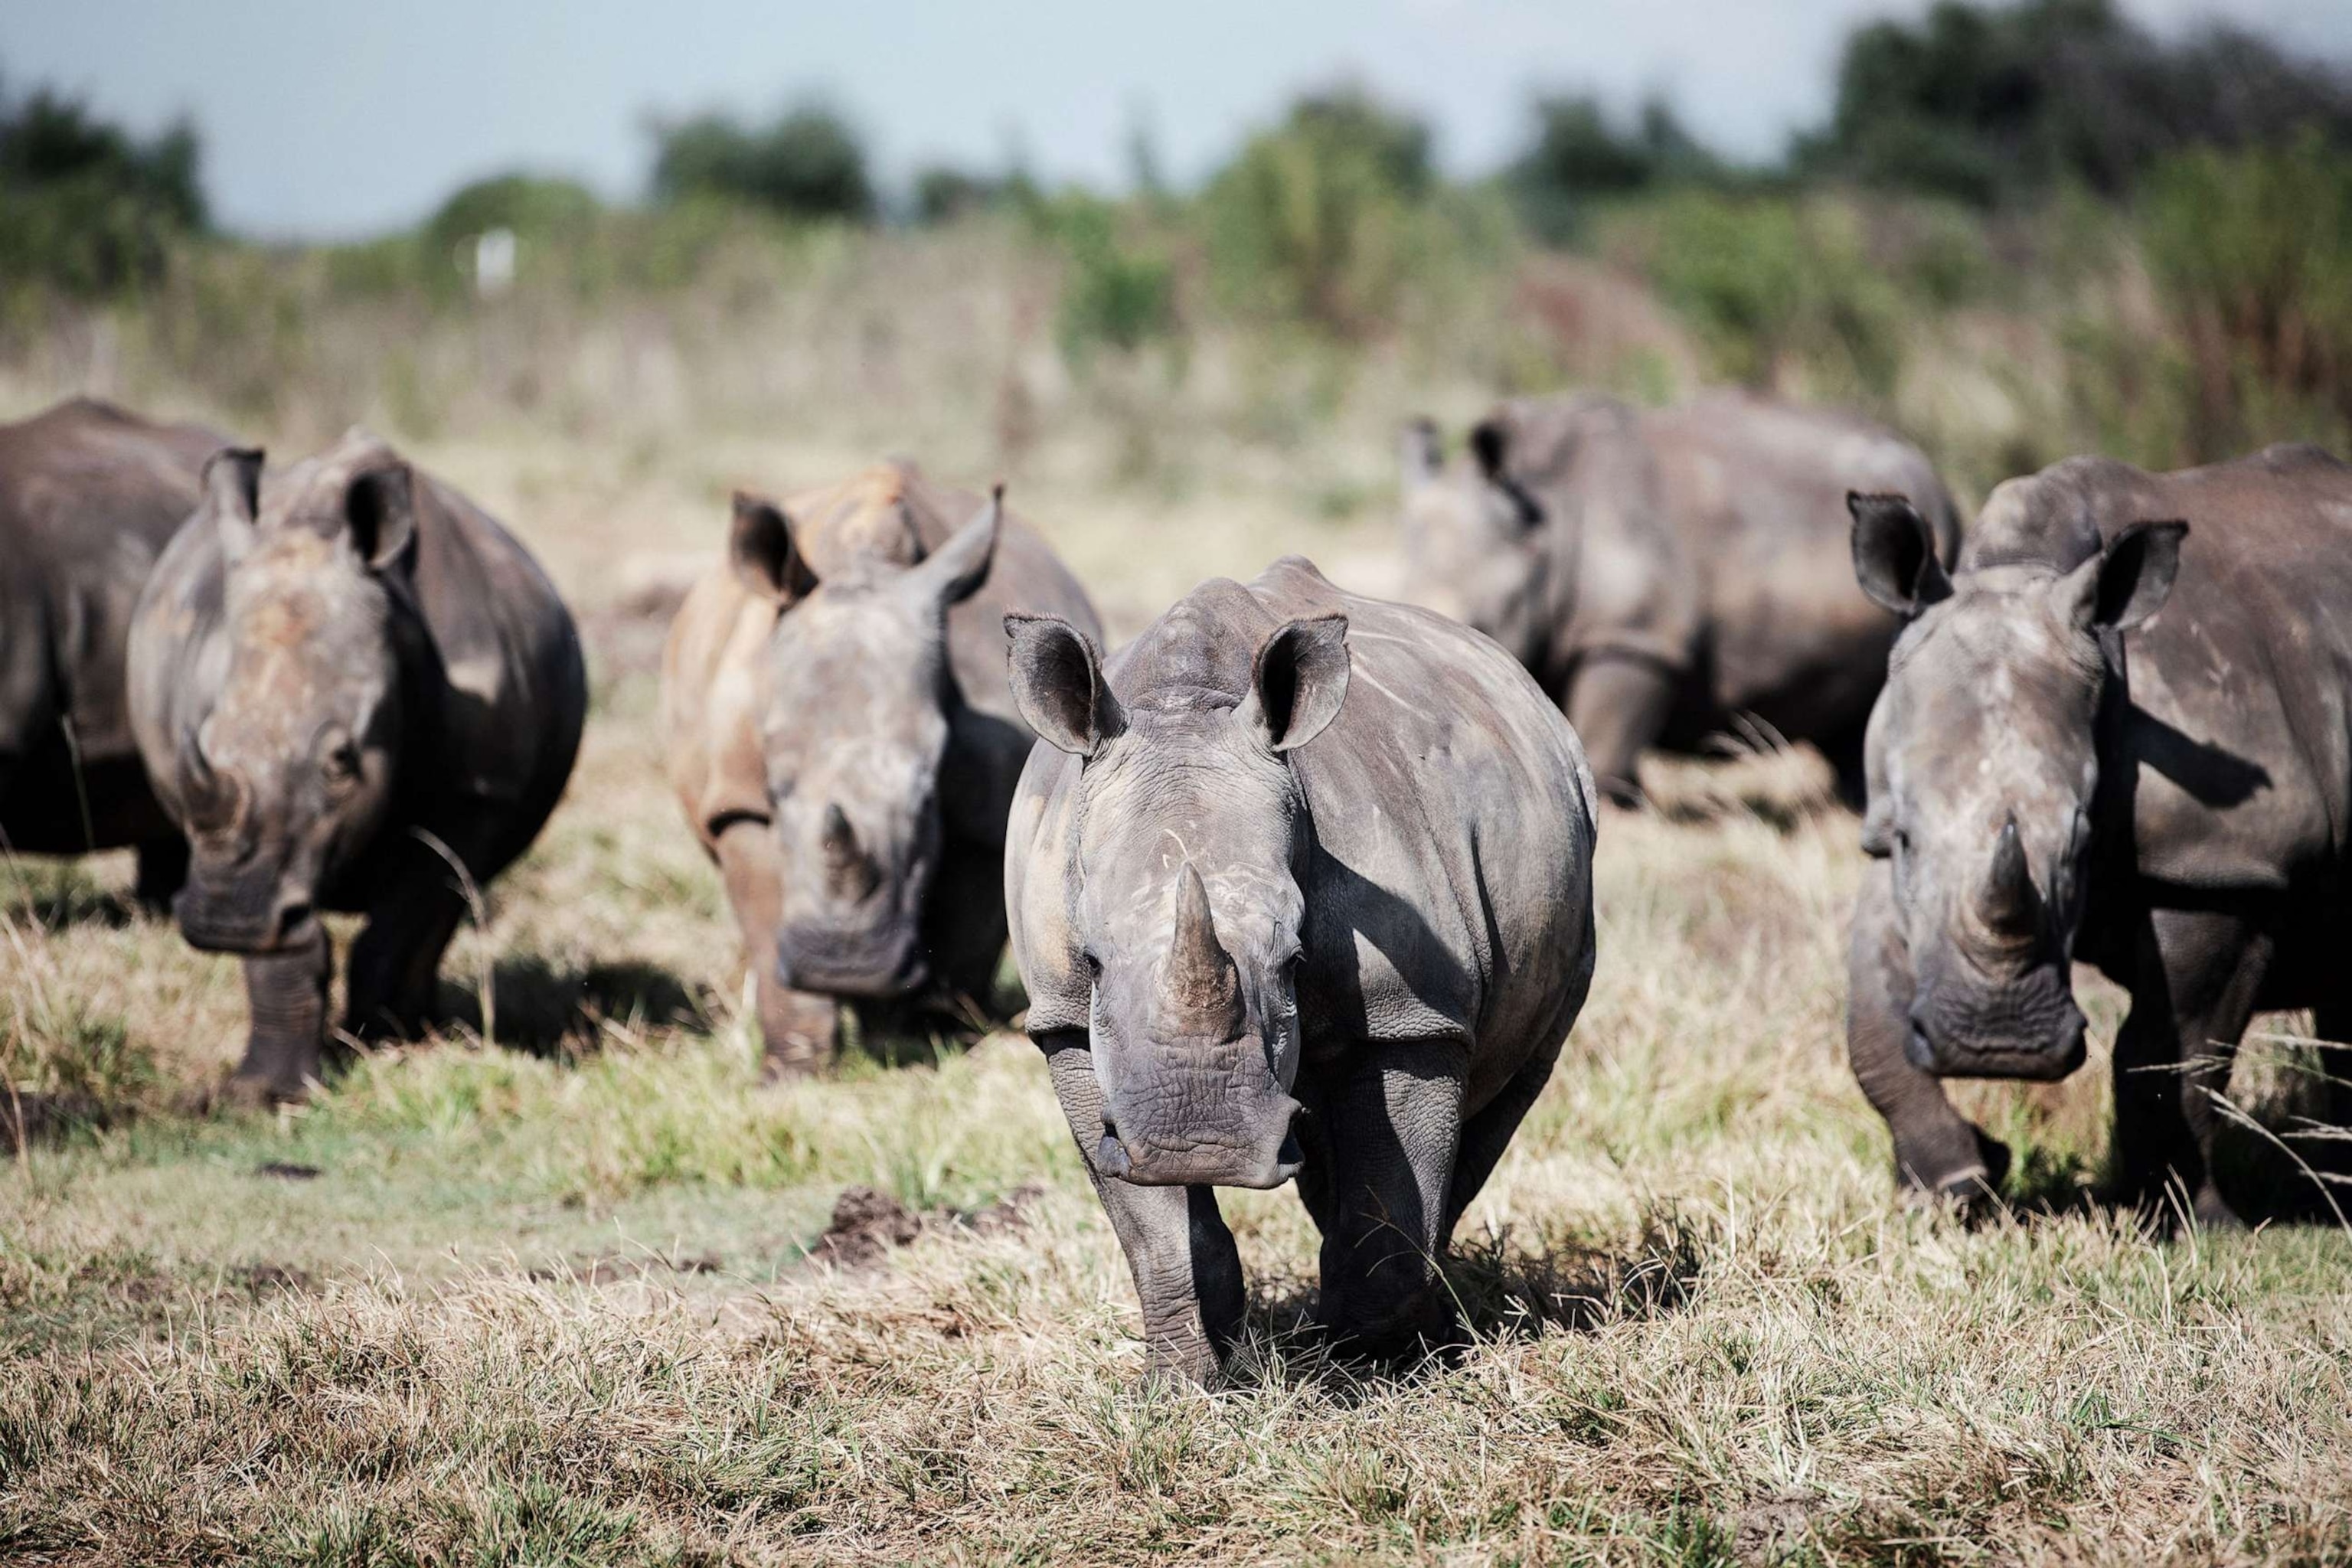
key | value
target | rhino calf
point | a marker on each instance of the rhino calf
(1670, 575)
(1300, 886)
(356, 692)
(2059, 772)
(90, 495)
(841, 736)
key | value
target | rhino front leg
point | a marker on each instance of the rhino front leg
(1936, 1150)
(396, 959)
(1617, 703)
(1381, 1141)
(2193, 992)
(799, 1031)
(285, 995)
(1187, 1271)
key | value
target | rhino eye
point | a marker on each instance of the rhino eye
(340, 763)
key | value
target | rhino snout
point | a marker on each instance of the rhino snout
(871, 965)
(243, 918)
(1264, 1154)
(2044, 1053)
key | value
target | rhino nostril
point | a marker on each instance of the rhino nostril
(292, 918)
(1111, 1154)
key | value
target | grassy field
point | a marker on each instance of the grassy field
(564, 1284)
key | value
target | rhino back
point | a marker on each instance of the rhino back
(2239, 731)
(1450, 889)
(89, 495)
(1757, 490)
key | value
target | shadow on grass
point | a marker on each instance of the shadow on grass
(1501, 1292)
(545, 1011)
(56, 896)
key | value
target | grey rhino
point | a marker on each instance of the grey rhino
(90, 495)
(1300, 885)
(350, 685)
(2059, 772)
(840, 735)
(1669, 574)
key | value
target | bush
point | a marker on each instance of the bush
(1316, 220)
(2254, 250)
(1116, 293)
(1775, 286)
(1988, 104)
(808, 162)
(1578, 156)
(84, 207)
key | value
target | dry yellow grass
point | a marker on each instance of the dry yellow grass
(543, 1299)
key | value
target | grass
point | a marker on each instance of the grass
(547, 1297)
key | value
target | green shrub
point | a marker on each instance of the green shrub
(1321, 219)
(1116, 293)
(85, 207)
(1578, 157)
(808, 162)
(2253, 251)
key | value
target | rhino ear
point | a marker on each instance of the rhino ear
(1058, 684)
(1490, 443)
(232, 481)
(1298, 681)
(954, 572)
(762, 553)
(1421, 454)
(2129, 581)
(1895, 554)
(380, 512)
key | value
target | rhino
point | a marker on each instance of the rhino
(2120, 733)
(1669, 574)
(354, 691)
(841, 736)
(90, 495)
(1300, 886)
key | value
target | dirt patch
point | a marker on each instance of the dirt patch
(868, 1225)
(270, 1279)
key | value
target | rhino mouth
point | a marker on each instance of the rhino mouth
(235, 921)
(1205, 1157)
(876, 965)
(1945, 1057)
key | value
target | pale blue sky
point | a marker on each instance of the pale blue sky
(337, 119)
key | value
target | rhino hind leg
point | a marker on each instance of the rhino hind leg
(2333, 1023)
(162, 873)
(1187, 1271)
(1383, 1137)
(286, 995)
(2194, 987)
(963, 922)
(1938, 1152)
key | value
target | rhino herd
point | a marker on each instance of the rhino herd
(1298, 882)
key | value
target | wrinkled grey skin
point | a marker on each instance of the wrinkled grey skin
(90, 495)
(1300, 886)
(1670, 575)
(2059, 772)
(344, 676)
(841, 733)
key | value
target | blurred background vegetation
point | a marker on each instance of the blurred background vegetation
(2017, 232)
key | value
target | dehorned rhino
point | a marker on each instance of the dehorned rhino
(841, 736)
(1671, 575)
(1300, 886)
(357, 692)
(90, 495)
(2059, 772)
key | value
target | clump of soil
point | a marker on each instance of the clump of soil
(868, 1226)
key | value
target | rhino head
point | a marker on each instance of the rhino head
(292, 770)
(859, 707)
(1474, 537)
(1185, 899)
(1983, 762)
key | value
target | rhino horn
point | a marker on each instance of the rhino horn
(2010, 904)
(848, 869)
(1203, 986)
(209, 799)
